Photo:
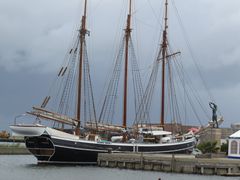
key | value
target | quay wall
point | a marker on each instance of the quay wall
(13, 151)
(13, 148)
(170, 163)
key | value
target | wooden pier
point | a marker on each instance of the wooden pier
(170, 163)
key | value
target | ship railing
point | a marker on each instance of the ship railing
(102, 127)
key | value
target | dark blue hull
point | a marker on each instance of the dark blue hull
(56, 150)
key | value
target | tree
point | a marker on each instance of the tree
(208, 147)
(224, 147)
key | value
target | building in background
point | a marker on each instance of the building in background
(234, 145)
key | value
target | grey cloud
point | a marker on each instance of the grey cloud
(19, 91)
(21, 57)
(224, 77)
(35, 37)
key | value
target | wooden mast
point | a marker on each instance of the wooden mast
(83, 32)
(127, 37)
(164, 56)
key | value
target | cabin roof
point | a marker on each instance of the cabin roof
(235, 135)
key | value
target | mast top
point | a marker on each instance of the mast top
(85, 8)
(128, 27)
(166, 16)
(130, 7)
(83, 30)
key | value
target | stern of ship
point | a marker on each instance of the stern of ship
(41, 147)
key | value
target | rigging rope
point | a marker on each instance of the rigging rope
(194, 58)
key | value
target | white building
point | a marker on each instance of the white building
(234, 145)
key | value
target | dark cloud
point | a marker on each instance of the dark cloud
(219, 77)
(19, 92)
(223, 77)
(35, 36)
(21, 56)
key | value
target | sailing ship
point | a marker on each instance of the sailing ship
(74, 134)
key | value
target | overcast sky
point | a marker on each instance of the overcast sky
(35, 36)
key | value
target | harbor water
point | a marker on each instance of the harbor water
(24, 167)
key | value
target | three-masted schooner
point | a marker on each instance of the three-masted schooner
(70, 139)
